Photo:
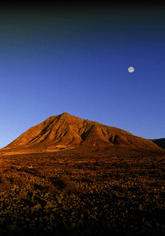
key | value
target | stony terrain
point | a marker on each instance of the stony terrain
(64, 130)
(74, 177)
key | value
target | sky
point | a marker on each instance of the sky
(76, 61)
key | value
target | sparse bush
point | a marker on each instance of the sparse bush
(107, 197)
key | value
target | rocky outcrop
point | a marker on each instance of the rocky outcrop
(66, 129)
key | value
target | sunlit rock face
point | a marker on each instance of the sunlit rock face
(62, 130)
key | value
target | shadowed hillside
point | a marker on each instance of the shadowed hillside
(160, 142)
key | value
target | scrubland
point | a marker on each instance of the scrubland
(83, 192)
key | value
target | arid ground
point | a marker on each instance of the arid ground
(75, 177)
(83, 191)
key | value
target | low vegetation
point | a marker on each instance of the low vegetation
(83, 193)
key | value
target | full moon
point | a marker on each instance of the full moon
(131, 69)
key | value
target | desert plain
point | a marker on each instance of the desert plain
(69, 176)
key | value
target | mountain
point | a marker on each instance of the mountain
(59, 131)
(160, 142)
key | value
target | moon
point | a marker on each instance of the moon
(131, 69)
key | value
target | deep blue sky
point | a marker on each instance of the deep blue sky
(77, 62)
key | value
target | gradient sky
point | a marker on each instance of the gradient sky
(77, 62)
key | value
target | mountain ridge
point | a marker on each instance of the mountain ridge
(65, 129)
(160, 142)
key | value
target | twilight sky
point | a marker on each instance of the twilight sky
(77, 62)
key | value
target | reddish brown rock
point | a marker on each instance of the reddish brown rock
(62, 130)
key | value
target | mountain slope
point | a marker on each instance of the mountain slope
(160, 142)
(65, 129)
